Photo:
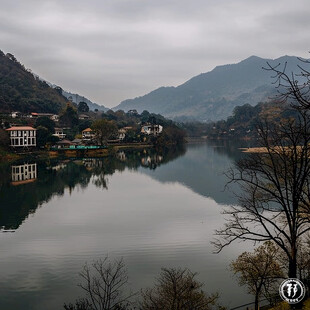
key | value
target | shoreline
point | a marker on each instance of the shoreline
(10, 156)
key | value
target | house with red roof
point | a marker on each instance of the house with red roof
(22, 136)
(88, 134)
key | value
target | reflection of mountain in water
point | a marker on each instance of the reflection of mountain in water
(20, 195)
(25, 186)
(202, 170)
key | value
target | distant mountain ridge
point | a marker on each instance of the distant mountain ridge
(213, 95)
(76, 98)
(21, 91)
(24, 91)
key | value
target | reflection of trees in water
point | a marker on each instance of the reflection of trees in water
(17, 202)
(54, 177)
(231, 148)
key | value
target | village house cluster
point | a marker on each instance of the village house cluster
(26, 136)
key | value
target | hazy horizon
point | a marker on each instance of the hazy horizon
(109, 51)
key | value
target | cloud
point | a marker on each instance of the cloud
(110, 50)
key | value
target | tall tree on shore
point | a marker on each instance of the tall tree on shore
(259, 270)
(69, 117)
(178, 289)
(292, 87)
(274, 203)
(104, 130)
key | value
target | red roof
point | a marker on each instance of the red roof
(87, 130)
(21, 128)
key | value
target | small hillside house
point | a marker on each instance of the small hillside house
(59, 132)
(88, 134)
(22, 136)
(152, 129)
(53, 117)
(83, 117)
(15, 114)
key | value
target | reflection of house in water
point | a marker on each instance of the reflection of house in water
(58, 167)
(151, 161)
(23, 174)
(121, 156)
(91, 163)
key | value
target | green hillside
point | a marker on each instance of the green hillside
(242, 124)
(213, 95)
(21, 91)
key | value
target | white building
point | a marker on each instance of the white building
(59, 132)
(88, 134)
(53, 117)
(152, 129)
(15, 114)
(22, 136)
(121, 134)
(25, 173)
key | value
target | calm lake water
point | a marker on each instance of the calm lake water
(153, 209)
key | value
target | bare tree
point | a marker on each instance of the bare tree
(303, 263)
(104, 283)
(177, 289)
(259, 271)
(274, 203)
(293, 87)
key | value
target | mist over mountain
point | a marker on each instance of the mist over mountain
(213, 95)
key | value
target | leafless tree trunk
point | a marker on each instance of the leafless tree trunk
(274, 203)
(177, 289)
(293, 87)
(104, 282)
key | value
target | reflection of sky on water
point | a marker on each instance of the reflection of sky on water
(206, 165)
(151, 224)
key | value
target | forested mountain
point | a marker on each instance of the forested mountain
(213, 95)
(21, 91)
(243, 122)
(76, 98)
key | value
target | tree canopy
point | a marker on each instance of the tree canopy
(69, 117)
(104, 130)
(83, 107)
(46, 122)
(259, 271)
(21, 91)
(177, 289)
(274, 203)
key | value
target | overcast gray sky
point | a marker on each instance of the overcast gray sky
(111, 50)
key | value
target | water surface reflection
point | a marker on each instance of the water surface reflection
(153, 209)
